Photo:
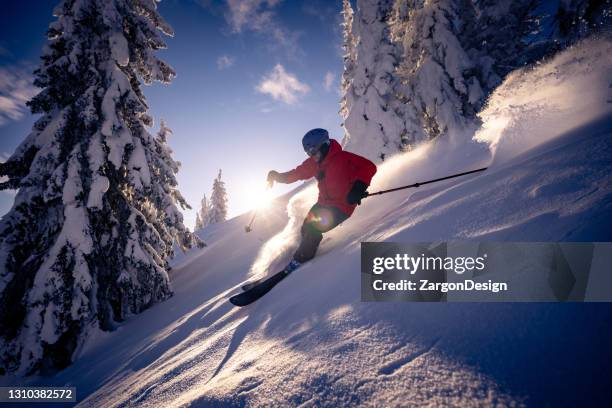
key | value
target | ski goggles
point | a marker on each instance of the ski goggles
(312, 150)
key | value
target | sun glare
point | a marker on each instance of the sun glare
(262, 196)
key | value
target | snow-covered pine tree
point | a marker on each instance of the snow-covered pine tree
(349, 46)
(202, 218)
(493, 36)
(87, 240)
(374, 128)
(198, 222)
(168, 219)
(218, 202)
(434, 72)
(457, 52)
(425, 68)
(439, 80)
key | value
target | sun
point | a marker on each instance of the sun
(262, 196)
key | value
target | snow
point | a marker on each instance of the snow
(72, 186)
(49, 332)
(99, 186)
(311, 342)
(118, 88)
(536, 100)
(119, 49)
(138, 164)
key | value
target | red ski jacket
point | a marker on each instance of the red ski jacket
(336, 174)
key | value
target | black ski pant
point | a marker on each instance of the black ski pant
(319, 219)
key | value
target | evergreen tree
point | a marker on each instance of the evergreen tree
(198, 222)
(373, 126)
(164, 169)
(349, 45)
(218, 203)
(456, 52)
(419, 70)
(439, 80)
(88, 239)
(498, 38)
(202, 217)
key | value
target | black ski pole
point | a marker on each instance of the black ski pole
(426, 182)
(249, 228)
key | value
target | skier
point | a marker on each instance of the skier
(343, 179)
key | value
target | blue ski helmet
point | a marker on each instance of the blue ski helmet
(313, 140)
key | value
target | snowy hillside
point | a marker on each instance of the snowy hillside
(311, 342)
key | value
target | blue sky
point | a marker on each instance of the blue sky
(252, 77)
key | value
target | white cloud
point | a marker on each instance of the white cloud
(250, 14)
(281, 85)
(287, 41)
(328, 81)
(15, 90)
(259, 16)
(225, 61)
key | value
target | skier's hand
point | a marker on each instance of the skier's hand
(273, 176)
(357, 192)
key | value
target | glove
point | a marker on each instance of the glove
(357, 192)
(273, 176)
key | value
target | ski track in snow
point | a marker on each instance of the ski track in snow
(310, 342)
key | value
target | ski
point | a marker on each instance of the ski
(250, 285)
(257, 289)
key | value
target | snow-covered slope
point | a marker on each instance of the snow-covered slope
(311, 342)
